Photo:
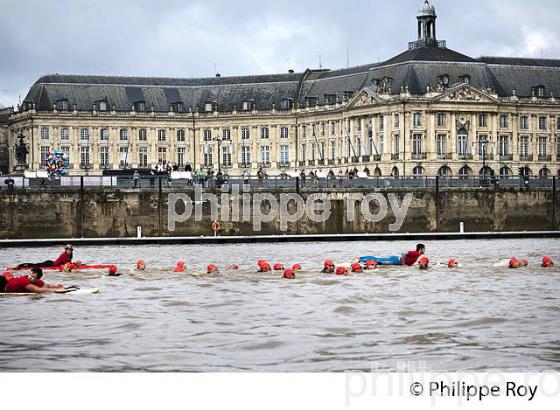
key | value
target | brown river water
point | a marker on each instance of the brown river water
(477, 317)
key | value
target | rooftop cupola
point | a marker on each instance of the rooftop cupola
(426, 28)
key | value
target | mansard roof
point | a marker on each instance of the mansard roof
(416, 69)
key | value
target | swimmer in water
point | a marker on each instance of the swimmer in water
(547, 262)
(289, 274)
(328, 267)
(180, 267)
(341, 270)
(423, 263)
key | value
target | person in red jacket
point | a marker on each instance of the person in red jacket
(412, 256)
(64, 258)
(31, 283)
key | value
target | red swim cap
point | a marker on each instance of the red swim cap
(112, 270)
(356, 267)
(513, 263)
(328, 263)
(452, 263)
(424, 261)
(180, 264)
(8, 275)
(371, 263)
(139, 263)
(211, 268)
(547, 262)
(289, 274)
(260, 262)
(341, 270)
(265, 267)
(296, 267)
(278, 266)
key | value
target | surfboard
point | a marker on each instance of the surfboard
(76, 268)
(71, 291)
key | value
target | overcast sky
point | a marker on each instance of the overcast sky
(188, 38)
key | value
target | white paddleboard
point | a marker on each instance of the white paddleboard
(64, 292)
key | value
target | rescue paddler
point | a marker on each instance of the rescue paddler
(30, 283)
(63, 259)
(408, 259)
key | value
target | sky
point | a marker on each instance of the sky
(193, 38)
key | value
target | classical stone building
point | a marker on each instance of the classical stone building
(427, 111)
(5, 114)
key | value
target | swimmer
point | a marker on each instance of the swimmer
(112, 271)
(289, 274)
(328, 266)
(296, 267)
(341, 270)
(452, 263)
(264, 267)
(140, 265)
(371, 265)
(212, 269)
(180, 267)
(278, 266)
(423, 263)
(547, 262)
(357, 268)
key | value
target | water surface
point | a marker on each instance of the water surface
(474, 318)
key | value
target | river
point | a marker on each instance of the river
(477, 317)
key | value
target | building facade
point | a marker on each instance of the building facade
(5, 114)
(427, 111)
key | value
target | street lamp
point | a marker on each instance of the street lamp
(219, 140)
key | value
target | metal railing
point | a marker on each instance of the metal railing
(283, 181)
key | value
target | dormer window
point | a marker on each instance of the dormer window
(247, 105)
(140, 106)
(310, 101)
(348, 95)
(209, 107)
(466, 79)
(102, 105)
(62, 105)
(286, 104)
(178, 106)
(330, 99)
(444, 80)
(540, 91)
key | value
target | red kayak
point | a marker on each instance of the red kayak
(61, 268)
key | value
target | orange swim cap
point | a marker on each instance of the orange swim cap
(278, 266)
(289, 274)
(547, 262)
(371, 264)
(341, 270)
(513, 263)
(211, 268)
(112, 270)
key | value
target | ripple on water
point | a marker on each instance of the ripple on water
(482, 322)
(344, 310)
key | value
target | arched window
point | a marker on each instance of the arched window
(465, 172)
(505, 172)
(377, 172)
(485, 172)
(444, 172)
(418, 172)
(366, 171)
(395, 172)
(544, 173)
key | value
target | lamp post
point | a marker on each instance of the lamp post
(219, 141)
